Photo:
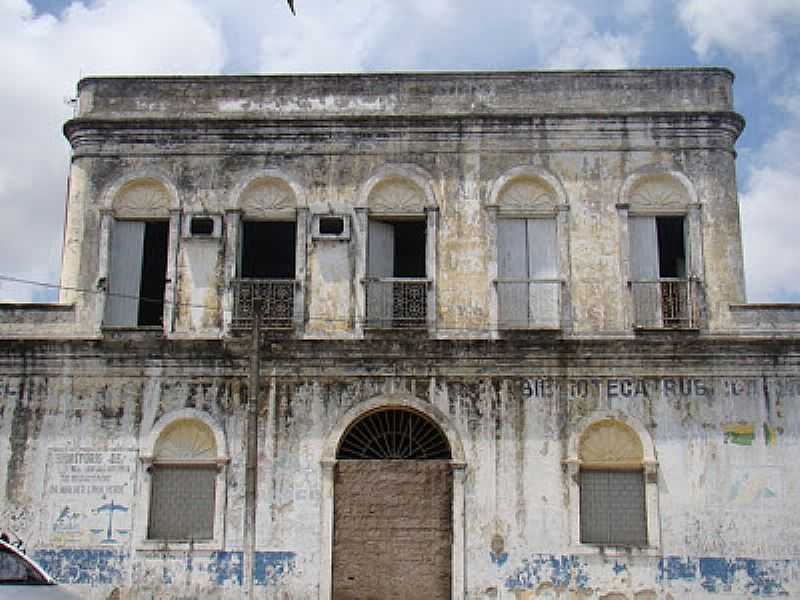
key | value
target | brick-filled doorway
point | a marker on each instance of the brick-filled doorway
(393, 528)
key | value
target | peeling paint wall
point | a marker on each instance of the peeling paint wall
(338, 145)
(74, 430)
(714, 405)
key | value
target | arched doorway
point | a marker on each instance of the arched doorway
(393, 522)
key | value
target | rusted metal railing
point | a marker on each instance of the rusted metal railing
(396, 302)
(670, 303)
(273, 298)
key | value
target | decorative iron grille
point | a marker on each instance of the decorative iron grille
(667, 303)
(397, 302)
(394, 433)
(272, 298)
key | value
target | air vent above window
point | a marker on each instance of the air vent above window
(202, 226)
(331, 227)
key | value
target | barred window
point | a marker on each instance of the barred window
(612, 486)
(183, 483)
(612, 508)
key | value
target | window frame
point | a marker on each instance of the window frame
(285, 201)
(157, 203)
(374, 204)
(145, 480)
(573, 465)
(655, 191)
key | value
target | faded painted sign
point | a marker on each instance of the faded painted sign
(89, 495)
(741, 434)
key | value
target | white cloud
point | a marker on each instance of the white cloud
(44, 58)
(753, 29)
(771, 216)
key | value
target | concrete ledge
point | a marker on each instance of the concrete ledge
(36, 314)
(766, 317)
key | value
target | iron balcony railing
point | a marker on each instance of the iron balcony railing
(272, 298)
(528, 303)
(670, 303)
(394, 302)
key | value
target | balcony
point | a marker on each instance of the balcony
(666, 303)
(528, 303)
(273, 299)
(397, 302)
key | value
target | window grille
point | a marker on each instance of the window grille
(613, 508)
(183, 483)
(394, 434)
(182, 502)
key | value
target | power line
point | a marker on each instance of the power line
(311, 318)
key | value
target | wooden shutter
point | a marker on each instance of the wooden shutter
(124, 274)
(380, 264)
(644, 268)
(512, 263)
(543, 264)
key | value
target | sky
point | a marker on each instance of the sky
(48, 45)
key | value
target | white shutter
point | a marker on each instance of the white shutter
(644, 267)
(380, 263)
(124, 274)
(512, 263)
(543, 264)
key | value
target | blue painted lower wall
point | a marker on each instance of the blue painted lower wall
(755, 577)
(109, 567)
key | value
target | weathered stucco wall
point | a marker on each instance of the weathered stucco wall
(713, 402)
(74, 423)
(585, 134)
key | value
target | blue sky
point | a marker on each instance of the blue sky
(49, 44)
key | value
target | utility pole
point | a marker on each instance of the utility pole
(251, 465)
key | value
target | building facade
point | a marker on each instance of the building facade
(399, 336)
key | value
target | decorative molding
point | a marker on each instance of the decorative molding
(186, 439)
(610, 441)
(263, 198)
(655, 188)
(658, 192)
(397, 196)
(142, 199)
(526, 193)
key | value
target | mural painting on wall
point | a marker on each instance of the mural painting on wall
(88, 494)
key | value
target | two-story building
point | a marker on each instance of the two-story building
(405, 336)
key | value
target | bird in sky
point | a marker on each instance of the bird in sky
(291, 5)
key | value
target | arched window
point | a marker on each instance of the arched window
(269, 254)
(612, 485)
(183, 483)
(664, 255)
(393, 434)
(529, 278)
(398, 277)
(138, 257)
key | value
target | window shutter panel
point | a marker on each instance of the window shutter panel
(512, 263)
(543, 264)
(644, 267)
(124, 274)
(380, 264)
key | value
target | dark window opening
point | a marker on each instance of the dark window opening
(671, 247)
(154, 274)
(202, 226)
(331, 225)
(409, 249)
(268, 249)
(394, 434)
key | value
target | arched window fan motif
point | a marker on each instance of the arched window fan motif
(392, 434)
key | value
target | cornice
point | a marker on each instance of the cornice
(561, 132)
